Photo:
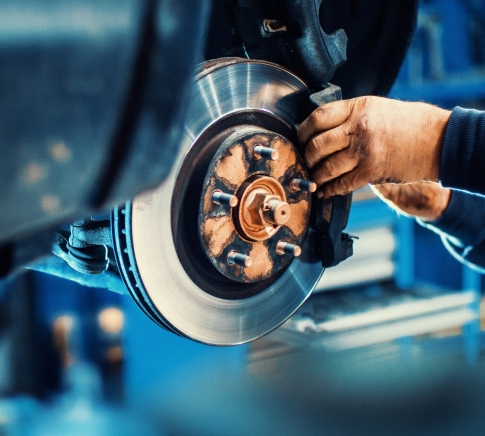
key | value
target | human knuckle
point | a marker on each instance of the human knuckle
(362, 125)
(318, 114)
(311, 151)
(330, 167)
(309, 159)
(361, 103)
(345, 130)
(318, 173)
(348, 155)
(316, 144)
(342, 134)
(344, 184)
(327, 191)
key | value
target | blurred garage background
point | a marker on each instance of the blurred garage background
(390, 342)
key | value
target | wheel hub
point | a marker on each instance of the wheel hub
(251, 202)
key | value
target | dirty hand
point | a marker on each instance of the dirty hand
(372, 140)
(424, 200)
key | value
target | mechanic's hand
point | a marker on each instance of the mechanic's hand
(424, 200)
(372, 140)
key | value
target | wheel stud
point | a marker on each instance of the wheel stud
(260, 152)
(219, 197)
(235, 258)
(286, 248)
(303, 185)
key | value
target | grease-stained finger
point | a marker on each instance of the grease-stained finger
(342, 185)
(334, 166)
(325, 117)
(324, 144)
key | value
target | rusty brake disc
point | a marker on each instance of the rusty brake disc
(222, 251)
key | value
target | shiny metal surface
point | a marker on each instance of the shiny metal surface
(166, 287)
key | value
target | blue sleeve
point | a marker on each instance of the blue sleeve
(462, 229)
(463, 153)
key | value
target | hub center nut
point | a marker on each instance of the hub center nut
(262, 208)
(275, 211)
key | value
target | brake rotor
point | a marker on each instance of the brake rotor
(222, 252)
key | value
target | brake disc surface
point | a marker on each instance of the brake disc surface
(161, 253)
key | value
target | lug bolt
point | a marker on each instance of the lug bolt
(286, 248)
(219, 197)
(303, 185)
(235, 258)
(260, 152)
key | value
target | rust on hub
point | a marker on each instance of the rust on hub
(252, 239)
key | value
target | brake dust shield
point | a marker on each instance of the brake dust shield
(222, 251)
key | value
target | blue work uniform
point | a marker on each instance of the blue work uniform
(462, 225)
